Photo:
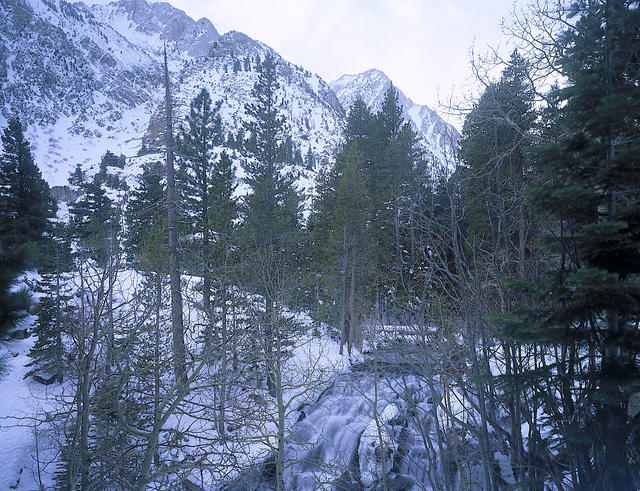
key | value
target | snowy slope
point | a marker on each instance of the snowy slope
(78, 85)
(85, 79)
(438, 136)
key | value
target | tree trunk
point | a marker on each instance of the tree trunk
(344, 327)
(179, 361)
(156, 359)
(223, 369)
(281, 413)
(268, 345)
(353, 318)
(59, 347)
(206, 273)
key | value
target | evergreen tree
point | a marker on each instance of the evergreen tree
(147, 222)
(110, 159)
(310, 159)
(103, 176)
(320, 227)
(491, 179)
(14, 305)
(195, 146)
(495, 168)
(390, 116)
(223, 213)
(26, 207)
(271, 237)
(352, 239)
(25, 199)
(341, 235)
(271, 222)
(55, 311)
(94, 222)
(77, 177)
(361, 128)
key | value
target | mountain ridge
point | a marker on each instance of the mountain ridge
(88, 78)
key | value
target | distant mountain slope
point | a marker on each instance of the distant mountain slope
(438, 136)
(86, 79)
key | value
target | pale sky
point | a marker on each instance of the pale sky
(422, 45)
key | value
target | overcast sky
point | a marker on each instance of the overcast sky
(422, 45)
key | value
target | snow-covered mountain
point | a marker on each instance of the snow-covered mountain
(88, 78)
(438, 136)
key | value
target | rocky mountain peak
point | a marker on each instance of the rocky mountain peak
(151, 24)
(438, 137)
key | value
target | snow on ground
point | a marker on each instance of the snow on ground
(314, 363)
(20, 402)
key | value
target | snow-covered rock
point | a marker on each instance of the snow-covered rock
(378, 445)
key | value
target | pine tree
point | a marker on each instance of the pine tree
(272, 209)
(310, 159)
(195, 146)
(389, 153)
(103, 176)
(54, 309)
(94, 222)
(77, 177)
(320, 228)
(491, 178)
(390, 116)
(14, 305)
(495, 171)
(361, 128)
(223, 214)
(352, 239)
(147, 222)
(25, 199)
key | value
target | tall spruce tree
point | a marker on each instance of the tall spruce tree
(54, 310)
(492, 177)
(195, 147)
(94, 222)
(25, 199)
(352, 240)
(147, 222)
(223, 214)
(271, 233)
(271, 214)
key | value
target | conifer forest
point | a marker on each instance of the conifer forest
(219, 272)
